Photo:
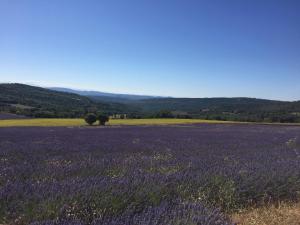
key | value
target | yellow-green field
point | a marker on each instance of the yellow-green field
(81, 122)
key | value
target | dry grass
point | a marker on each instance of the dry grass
(284, 214)
(80, 122)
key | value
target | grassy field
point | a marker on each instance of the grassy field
(55, 122)
(81, 122)
(275, 215)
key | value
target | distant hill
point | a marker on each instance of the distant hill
(240, 109)
(40, 102)
(104, 95)
(195, 105)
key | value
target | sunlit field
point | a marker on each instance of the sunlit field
(81, 122)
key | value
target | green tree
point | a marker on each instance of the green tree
(164, 114)
(90, 118)
(103, 119)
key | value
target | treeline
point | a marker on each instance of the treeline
(251, 117)
(41, 112)
(259, 117)
(227, 109)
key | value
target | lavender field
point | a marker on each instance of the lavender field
(135, 175)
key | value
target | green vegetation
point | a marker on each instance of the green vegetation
(90, 118)
(232, 109)
(43, 103)
(103, 119)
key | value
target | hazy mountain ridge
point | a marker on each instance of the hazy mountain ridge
(107, 95)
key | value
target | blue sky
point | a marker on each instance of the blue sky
(181, 48)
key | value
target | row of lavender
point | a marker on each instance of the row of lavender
(145, 175)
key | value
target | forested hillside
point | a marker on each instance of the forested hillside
(40, 102)
(240, 109)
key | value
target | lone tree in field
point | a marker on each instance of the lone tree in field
(90, 118)
(103, 119)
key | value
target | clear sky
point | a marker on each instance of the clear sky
(185, 48)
